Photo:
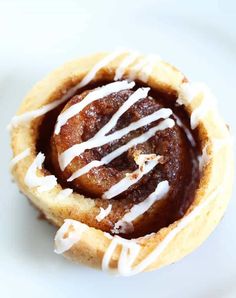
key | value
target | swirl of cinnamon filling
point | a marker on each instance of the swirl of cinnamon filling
(127, 152)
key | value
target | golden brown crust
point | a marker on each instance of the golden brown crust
(164, 78)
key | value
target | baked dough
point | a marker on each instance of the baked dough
(92, 246)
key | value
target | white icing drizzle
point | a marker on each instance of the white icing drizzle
(91, 97)
(129, 251)
(147, 69)
(188, 92)
(136, 68)
(167, 123)
(103, 213)
(32, 180)
(19, 157)
(67, 156)
(29, 116)
(186, 130)
(102, 63)
(203, 159)
(198, 114)
(64, 193)
(143, 69)
(124, 64)
(68, 234)
(127, 270)
(100, 139)
(146, 163)
(109, 236)
(139, 209)
(217, 144)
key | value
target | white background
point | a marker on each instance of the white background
(199, 37)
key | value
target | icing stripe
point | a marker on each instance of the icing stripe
(143, 69)
(198, 114)
(103, 62)
(127, 256)
(203, 159)
(147, 69)
(136, 68)
(124, 64)
(109, 236)
(145, 167)
(19, 157)
(29, 116)
(103, 213)
(91, 97)
(63, 194)
(139, 209)
(188, 92)
(129, 252)
(68, 234)
(186, 130)
(167, 123)
(32, 180)
(108, 255)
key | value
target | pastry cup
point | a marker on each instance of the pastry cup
(91, 246)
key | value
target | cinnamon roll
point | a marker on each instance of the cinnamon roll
(124, 154)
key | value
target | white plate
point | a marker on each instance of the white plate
(199, 37)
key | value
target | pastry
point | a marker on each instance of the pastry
(127, 157)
